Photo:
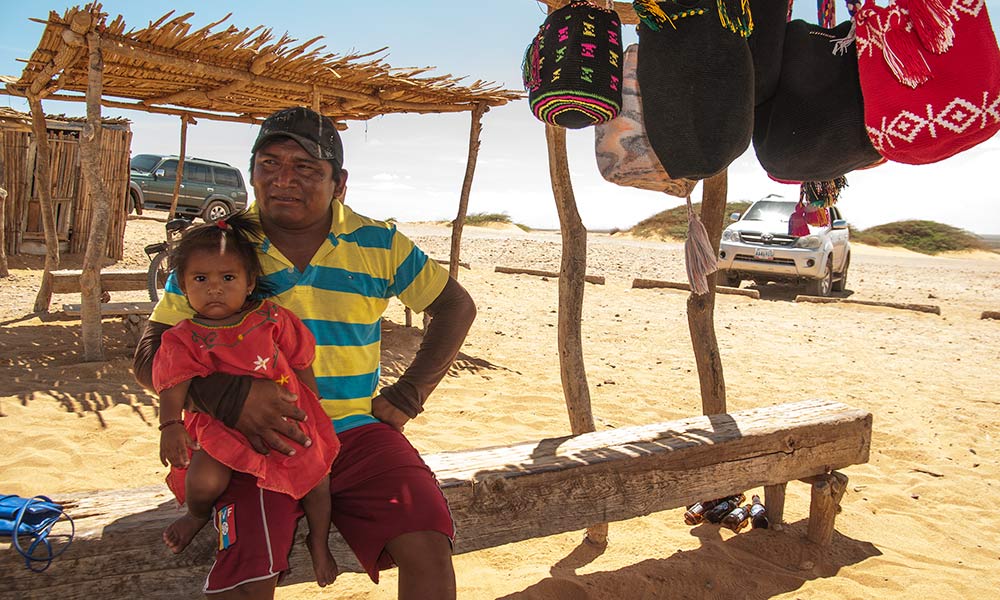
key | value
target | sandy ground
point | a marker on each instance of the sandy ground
(918, 521)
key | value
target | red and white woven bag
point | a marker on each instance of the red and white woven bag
(930, 77)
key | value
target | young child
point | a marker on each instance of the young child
(236, 331)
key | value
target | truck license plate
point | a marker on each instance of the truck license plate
(764, 254)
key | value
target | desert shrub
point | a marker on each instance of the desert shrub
(926, 237)
(673, 223)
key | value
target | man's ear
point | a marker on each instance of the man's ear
(341, 188)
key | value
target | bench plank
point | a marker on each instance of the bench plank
(113, 309)
(67, 281)
(497, 495)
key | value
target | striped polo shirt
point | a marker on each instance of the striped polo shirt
(340, 297)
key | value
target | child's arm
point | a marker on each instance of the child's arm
(174, 439)
(308, 378)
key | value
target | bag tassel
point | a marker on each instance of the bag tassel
(901, 50)
(933, 24)
(735, 16)
(531, 65)
(840, 46)
(822, 194)
(699, 257)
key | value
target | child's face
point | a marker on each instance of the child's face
(216, 285)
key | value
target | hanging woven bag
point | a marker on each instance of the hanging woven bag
(767, 42)
(573, 68)
(624, 155)
(813, 126)
(930, 74)
(697, 82)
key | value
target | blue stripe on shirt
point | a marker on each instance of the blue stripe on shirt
(342, 425)
(341, 280)
(370, 237)
(335, 333)
(407, 272)
(347, 387)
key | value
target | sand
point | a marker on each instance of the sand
(919, 520)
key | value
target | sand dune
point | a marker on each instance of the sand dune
(918, 521)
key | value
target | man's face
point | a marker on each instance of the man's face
(293, 189)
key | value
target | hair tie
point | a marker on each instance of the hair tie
(222, 224)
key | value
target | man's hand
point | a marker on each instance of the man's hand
(384, 411)
(174, 444)
(268, 418)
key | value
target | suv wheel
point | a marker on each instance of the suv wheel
(841, 283)
(216, 210)
(823, 285)
(132, 204)
(728, 279)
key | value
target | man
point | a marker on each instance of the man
(337, 271)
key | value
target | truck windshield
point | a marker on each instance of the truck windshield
(143, 163)
(770, 210)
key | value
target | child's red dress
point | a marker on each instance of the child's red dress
(270, 342)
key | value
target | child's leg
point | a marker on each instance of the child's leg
(205, 481)
(316, 505)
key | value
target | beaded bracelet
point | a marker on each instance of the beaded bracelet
(171, 422)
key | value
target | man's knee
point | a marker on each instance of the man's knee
(424, 550)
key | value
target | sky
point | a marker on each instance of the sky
(411, 167)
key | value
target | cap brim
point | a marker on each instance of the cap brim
(306, 145)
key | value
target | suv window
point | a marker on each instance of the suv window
(144, 163)
(169, 169)
(197, 173)
(228, 177)
(768, 210)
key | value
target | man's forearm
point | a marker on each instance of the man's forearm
(219, 394)
(452, 314)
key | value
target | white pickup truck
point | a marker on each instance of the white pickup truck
(758, 247)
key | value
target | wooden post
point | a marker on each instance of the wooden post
(4, 272)
(827, 492)
(180, 168)
(572, 271)
(774, 500)
(90, 162)
(463, 201)
(43, 186)
(701, 309)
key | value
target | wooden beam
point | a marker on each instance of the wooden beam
(179, 175)
(990, 314)
(683, 285)
(924, 308)
(113, 309)
(199, 95)
(827, 492)
(624, 9)
(497, 495)
(67, 54)
(68, 281)
(595, 279)
(43, 187)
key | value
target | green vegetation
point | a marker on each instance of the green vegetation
(673, 223)
(926, 237)
(487, 218)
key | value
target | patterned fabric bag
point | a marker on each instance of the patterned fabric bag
(696, 76)
(813, 127)
(930, 74)
(767, 44)
(572, 69)
(624, 155)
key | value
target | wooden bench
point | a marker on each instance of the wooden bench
(498, 495)
(133, 315)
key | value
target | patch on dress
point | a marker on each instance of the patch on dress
(225, 524)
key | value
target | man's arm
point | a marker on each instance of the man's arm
(257, 408)
(452, 314)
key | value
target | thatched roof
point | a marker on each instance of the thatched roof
(232, 74)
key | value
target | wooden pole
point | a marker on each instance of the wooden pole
(43, 186)
(100, 198)
(571, 286)
(463, 200)
(180, 168)
(701, 309)
(827, 492)
(4, 272)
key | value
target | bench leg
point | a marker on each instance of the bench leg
(827, 492)
(408, 314)
(774, 500)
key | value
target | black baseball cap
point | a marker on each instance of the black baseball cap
(315, 133)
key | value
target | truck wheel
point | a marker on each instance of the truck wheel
(729, 279)
(823, 285)
(841, 283)
(133, 203)
(216, 209)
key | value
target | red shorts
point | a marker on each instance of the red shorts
(380, 489)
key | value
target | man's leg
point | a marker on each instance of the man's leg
(425, 567)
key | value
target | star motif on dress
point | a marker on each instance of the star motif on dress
(283, 380)
(260, 364)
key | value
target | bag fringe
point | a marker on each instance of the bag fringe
(901, 50)
(933, 24)
(699, 256)
(735, 16)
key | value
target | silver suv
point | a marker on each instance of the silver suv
(758, 247)
(209, 189)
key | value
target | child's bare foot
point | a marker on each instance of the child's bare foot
(323, 562)
(179, 534)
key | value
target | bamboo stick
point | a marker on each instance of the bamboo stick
(43, 183)
(463, 199)
(180, 170)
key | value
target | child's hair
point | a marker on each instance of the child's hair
(236, 234)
